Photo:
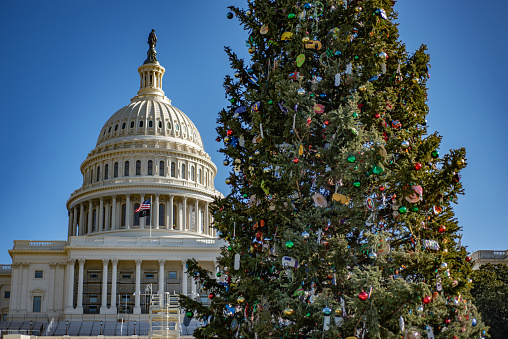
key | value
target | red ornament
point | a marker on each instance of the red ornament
(377, 115)
(468, 258)
(211, 296)
(426, 299)
(327, 122)
(447, 321)
(230, 132)
(295, 160)
(441, 229)
(363, 295)
(218, 139)
(418, 166)
(381, 188)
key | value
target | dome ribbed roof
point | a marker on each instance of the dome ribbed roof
(150, 118)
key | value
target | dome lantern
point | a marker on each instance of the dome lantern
(151, 72)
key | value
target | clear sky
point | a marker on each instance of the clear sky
(67, 66)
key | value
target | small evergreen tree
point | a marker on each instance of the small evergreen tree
(340, 221)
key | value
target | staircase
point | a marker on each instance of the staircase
(164, 316)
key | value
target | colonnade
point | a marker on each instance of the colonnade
(117, 212)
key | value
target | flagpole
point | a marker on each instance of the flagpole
(151, 216)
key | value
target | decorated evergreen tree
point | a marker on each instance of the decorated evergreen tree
(340, 220)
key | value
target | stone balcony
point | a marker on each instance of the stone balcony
(483, 257)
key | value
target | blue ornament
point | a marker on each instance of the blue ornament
(473, 322)
(307, 6)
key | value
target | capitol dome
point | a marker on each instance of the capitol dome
(148, 149)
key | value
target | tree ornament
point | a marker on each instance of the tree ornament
(412, 333)
(416, 81)
(289, 244)
(219, 274)
(189, 314)
(229, 132)
(300, 91)
(468, 258)
(447, 321)
(288, 311)
(230, 15)
(402, 209)
(211, 296)
(228, 181)
(435, 154)
(426, 299)
(358, 9)
(363, 295)
(418, 166)
(305, 235)
(362, 88)
(442, 229)
(405, 144)
(461, 163)
(327, 311)
(351, 159)
(372, 255)
(356, 184)
(291, 15)
(474, 322)
(240, 300)
(295, 160)
(444, 266)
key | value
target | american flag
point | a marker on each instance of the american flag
(144, 206)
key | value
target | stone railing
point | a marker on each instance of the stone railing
(6, 269)
(145, 242)
(39, 245)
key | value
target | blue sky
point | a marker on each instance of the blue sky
(67, 66)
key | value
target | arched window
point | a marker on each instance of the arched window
(161, 168)
(106, 172)
(138, 167)
(136, 215)
(123, 215)
(192, 174)
(132, 124)
(126, 169)
(162, 215)
(200, 176)
(123, 125)
(160, 124)
(150, 123)
(177, 127)
(116, 127)
(98, 174)
(141, 123)
(173, 169)
(183, 171)
(115, 170)
(150, 167)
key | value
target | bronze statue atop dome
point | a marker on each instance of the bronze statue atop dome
(152, 41)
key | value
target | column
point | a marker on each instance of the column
(142, 221)
(184, 214)
(170, 212)
(184, 277)
(127, 211)
(75, 222)
(101, 215)
(70, 284)
(59, 287)
(13, 303)
(71, 219)
(161, 278)
(113, 214)
(24, 287)
(207, 221)
(104, 296)
(107, 225)
(82, 218)
(51, 294)
(156, 212)
(79, 305)
(90, 216)
(196, 213)
(137, 295)
(114, 265)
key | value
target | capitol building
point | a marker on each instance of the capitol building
(113, 260)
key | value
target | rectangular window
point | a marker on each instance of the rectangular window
(93, 275)
(37, 303)
(149, 275)
(4, 317)
(92, 308)
(7, 294)
(93, 298)
(39, 275)
(126, 298)
(172, 275)
(126, 275)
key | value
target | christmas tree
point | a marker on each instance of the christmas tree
(340, 220)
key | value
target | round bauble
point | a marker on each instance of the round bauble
(357, 184)
(363, 295)
(444, 266)
(426, 299)
(402, 209)
(289, 244)
(305, 235)
(229, 132)
(327, 311)
(291, 15)
(338, 312)
(383, 56)
(447, 321)
(218, 274)
(412, 333)
(229, 15)
(418, 166)
(362, 88)
(405, 144)
(288, 311)
(189, 314)
(240, 300)
(474, 322)
(435, 154)
(301, 91)
(468, 258)
(351, 159)
(372, 255)
(441, 229)
(416, 81)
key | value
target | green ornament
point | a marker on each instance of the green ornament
(351, 159)
(377, 170)
(189, 314)
(232, 100)
(230, 248)
(245, 195)
(355, 115)
(289, 244)
(356, 184)
(307, 314)
(402, 209)
(291, 16)
(414, 209)
(270, 102)
(435, 154)
(219, 274)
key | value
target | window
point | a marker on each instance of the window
(161, 168)
(93, 298)
(149, 275)
(109, 129)
(192, 175)
(136, 215)
(150, 167)
(126, 298)
(37, 303)
(141, 123)
(98, 174)
(160, 124)
(172, 275)
(168, 125)
(116, 127)
(115, 170)
(123, 125)
(150, 124)
(138, 167)
(183, 171)
(173, 169)
(126, 275)
(177, 127)
(123, 215)
(200, 176)
(39, 274)
(162, 215)
(93, 275)
(106, 172)
(126, 169)
(92, 308)
(7, 294)
(132, 124)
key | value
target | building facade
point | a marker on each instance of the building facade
(483, 257)
(114, 259)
